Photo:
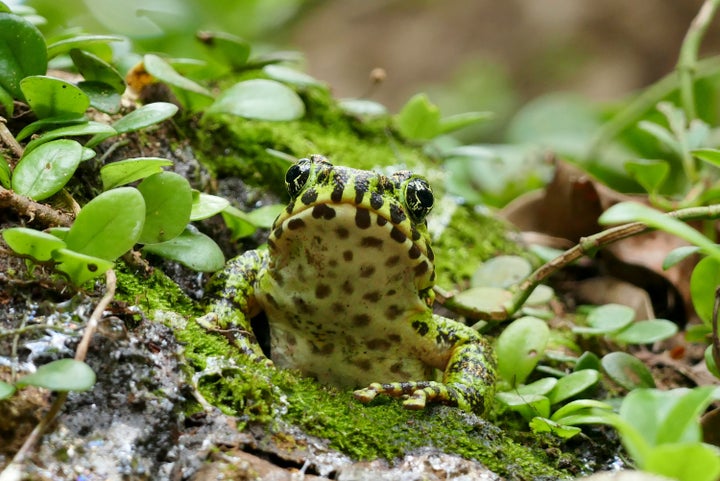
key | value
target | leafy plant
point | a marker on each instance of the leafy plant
(61, 376)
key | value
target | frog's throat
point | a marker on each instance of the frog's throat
(330, 236)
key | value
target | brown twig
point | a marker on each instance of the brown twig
(25, 206)
(9, 139)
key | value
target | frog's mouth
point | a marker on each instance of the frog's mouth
(332, 235)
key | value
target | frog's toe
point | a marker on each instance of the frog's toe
(368, 394)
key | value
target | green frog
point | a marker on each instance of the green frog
(346, 285)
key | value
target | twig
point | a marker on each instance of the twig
(14, 469)
(44, 214)
(9, 139)
(688, 58)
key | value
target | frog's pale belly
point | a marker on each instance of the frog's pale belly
(341, 306)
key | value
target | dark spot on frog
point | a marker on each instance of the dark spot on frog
(271, 244)
(373, 242)
(361, 320)
(430, 254)
(325, 350)
(322, 291)
(296, 224)
(397, 368)
(333, 263)
(309, 196)
(367, 270)
(381, 221)
(397, 235)
(362, 218)
(378, 344)
(414, 252)
(271, 300)
(421, 327)
(396, 214)
(347, 287)
(278, 277)
(290, 206)
(392, 261)
(376, 200)
(391, 292)
(361, 186)
(302, 305)
(348, 256)
(415, 234)
(342, 232)
(324, 211)
(372, 296)
(432, 276)
(421, 268)
(395, 338)
(277, 233)
(363, 364)
(338, 307)
(338, 190)
(445, 338)
(393, 311)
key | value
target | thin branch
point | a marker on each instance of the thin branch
(688, 58)
(25, 206)
(9, 139)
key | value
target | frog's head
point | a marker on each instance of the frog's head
(380, 214)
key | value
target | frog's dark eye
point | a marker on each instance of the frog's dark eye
(419, 199)
(296, 177)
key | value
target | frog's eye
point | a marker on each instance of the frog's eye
(419, 199)
(296, 177)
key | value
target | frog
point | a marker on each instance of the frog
(346, 284)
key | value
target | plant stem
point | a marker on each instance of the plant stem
(688, 58)
(589, 245)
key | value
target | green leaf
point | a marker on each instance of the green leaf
(61, 375)
(578, 406)
(225, 47)
(205, 205)
(588, 360)
(704, 280)
(102, 96)
(129, 170)
(52, 97)
(95, 69)
(192, 249)
(483, 299)
(682, 422)
(84, 42)
(22, 52)
(541, 386)
(79, 268)
(33, 243)
(684, 462)
(46, 170)
(145, 116)
(6, 390)
(519, 348)
(678, 255)
(419, 119)
(90, 128)
(544, 425)
(4, 172)
(289, 75)
(663, 135)
(710, 362)
(168, 202)
(646, 332)
(626, 370)
(607, 319)
(163, 71)
(529, 405)
(649, 173)
(259, 99)
(710, 156)
(632, 212)
(264, 216)
(459, 121)
(6, 101)
(573, 384)
(501, 271)
(362, 107)
(109, 225)
(238, 223)
(51, 122)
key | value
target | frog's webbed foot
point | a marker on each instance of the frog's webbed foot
(241, 339)
(421, 393)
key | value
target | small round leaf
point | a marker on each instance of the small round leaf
(29, 242)
(573, 384)
(646, 332)
(501, 271)
(259, 99)
(22, 52)
(168, 202)
(61, 375)
(206, 205)
(703, 281)
(109, 225)
(45, 170)
(79, 268)
(519, 348)
(145, 116)
(290, 76)
(52, 97)
(607, 318)
(95, 69)
(192, 249)
(626, 370)
(130, 170)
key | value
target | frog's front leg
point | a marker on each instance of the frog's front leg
(232, 302)
(469, 371)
